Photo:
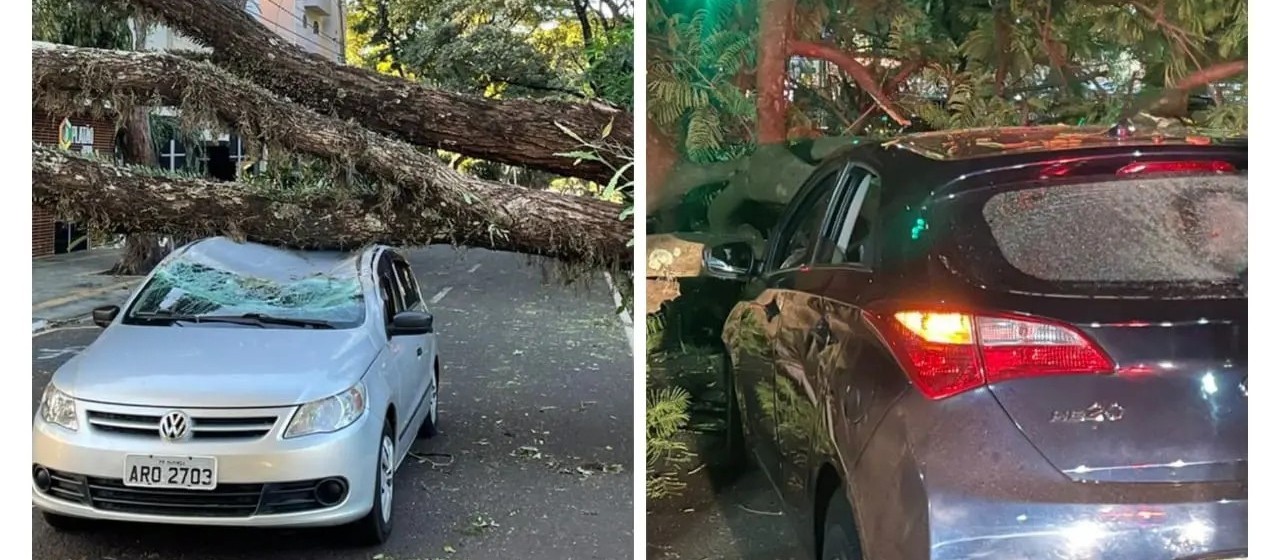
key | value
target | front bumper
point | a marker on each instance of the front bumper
(268, 465)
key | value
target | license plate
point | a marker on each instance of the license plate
(163, 471)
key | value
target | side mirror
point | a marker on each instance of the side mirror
(103, 316)
(729, 261)
(411, 323)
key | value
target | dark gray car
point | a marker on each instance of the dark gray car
(1016, 343)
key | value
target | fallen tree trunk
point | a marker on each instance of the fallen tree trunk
(125, 199)
(572, 228)
(513, 131)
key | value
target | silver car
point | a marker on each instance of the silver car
(244, 385)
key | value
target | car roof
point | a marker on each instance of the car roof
(953, 145)
(270, 261)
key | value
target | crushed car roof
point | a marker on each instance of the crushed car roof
(268, 261)
(975, 143)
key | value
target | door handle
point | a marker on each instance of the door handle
(419, 351)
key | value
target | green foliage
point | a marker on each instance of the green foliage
(693, 74)
(82, 23)
(621, 186)
(666, 413)
(520, 48)
(610, 66)
(980, 63)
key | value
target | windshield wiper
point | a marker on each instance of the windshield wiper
(161, 317)
(249, 319)
(262, 320)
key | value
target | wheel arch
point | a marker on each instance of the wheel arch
(826, 482)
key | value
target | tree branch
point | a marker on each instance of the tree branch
(859, 73)
(480, 213)
(511, 131)
(890, 88)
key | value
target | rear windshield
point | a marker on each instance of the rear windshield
(1167, 236)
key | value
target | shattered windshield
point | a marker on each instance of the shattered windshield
(187, 289)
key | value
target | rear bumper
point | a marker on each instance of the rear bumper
(932, 490)
(978, 529)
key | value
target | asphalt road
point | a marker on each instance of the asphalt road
(536, 421)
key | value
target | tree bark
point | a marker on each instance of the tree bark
(142, 251)
(512, 131)
(661, 158)
(771, 70)
(124, 199)
(594, 235)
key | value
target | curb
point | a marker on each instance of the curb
(623, 317)
(38, 325)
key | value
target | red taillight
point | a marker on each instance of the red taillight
(1145, 167)
(946, 353)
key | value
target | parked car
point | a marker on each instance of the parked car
(1016, 343)
(244, 385)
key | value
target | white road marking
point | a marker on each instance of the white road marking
(51, 353)
(622, 315)
(60, 329)
(473, 269)
(440, 295)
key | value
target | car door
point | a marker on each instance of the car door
(400, 349)
(857, 380)
(418, 376)
(802, 333)
(787, 314)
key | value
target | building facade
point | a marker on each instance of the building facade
(317, 26)
(68, 132)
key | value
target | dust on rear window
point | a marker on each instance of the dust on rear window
(1170, 229)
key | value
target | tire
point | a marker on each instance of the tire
(839, 534)
(375, 527)
(735, 443)
(66, 523)
(431, 424)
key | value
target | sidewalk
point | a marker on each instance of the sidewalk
(68, 286)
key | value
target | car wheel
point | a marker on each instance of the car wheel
(430, 425)
(735, 436)
(375, 527)
(839, 536)
(66, 522)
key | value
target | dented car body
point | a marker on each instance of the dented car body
(963, 351)
(244, 384)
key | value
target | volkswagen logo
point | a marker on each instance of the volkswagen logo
(175, 426)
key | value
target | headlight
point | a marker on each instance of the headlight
(58, 408)
(329, 414)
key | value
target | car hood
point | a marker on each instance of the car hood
(216, 365)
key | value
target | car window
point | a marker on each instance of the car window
(849, 239)
(407, 286)
(1153, 235)
(801, 232)
(392, 303)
